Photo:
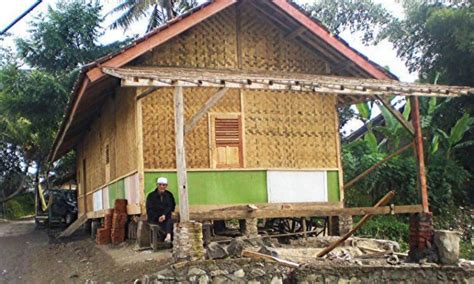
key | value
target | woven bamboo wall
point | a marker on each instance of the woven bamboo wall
(158, 126)
(125, 141)
(290, 130)
(114, 126)
(107, 133)
(211, 44)
(264, 47)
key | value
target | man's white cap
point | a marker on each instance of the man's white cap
(162, 180)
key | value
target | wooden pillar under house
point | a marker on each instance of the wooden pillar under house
(419, 153)
(181, 155)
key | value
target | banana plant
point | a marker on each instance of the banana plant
(365, 113)
(452, 141)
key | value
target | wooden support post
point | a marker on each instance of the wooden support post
(140, 157)
(181, 154)
(303, 223)
(396, 114)
(369, 170)
(212, 101)
(419, 153)
(364, 219)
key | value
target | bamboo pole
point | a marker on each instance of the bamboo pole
(181, 155)
(362, 221)
(371, 169)
(419, 153)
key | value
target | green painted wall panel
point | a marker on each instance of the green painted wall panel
(333, 186)
(116, 191)
(217, 187)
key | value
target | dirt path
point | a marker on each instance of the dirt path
(30, 255)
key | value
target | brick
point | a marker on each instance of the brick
(108, 221)
(120, 206)
(103, 236)
(119, 220)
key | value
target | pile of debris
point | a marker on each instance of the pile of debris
(262, 260)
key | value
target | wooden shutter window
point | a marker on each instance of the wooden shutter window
(227, 142)
(227, 131)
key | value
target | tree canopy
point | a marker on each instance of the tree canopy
(35, 82)
(66, 37)
(157, 11)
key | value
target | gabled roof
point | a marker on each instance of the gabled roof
(93, 85)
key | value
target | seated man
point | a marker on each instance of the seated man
(160, 205)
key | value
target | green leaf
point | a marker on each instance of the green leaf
(464, 144)
(459, 129)
(434, 144)
(390, 121)
(407, 110)
(371, 141)
(364, 110)
(432, 105)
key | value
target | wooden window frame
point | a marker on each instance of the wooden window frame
(212, 140)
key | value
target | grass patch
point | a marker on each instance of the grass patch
(387, 227)
(20, 206)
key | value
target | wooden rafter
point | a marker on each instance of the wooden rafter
(188, 77)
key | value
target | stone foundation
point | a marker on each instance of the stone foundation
(421, 237)
(383, 274)
(340, 225)
(345, 224)
(188, 242)
(250, 229)
(250, 271)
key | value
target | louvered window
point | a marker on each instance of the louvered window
(227, 141)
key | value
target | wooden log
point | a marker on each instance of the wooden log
(287, 213)
(181, 155)
(371, 169)
(364, 219)
(419, 153)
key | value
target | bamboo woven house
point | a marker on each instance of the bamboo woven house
(260, 84)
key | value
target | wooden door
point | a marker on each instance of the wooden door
(226, 141)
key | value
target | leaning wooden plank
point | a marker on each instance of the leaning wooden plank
(364, 219)
(74, 226)
(257, 255)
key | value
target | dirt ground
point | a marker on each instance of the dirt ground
(32, 255)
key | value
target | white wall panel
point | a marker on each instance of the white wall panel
(97, 200)
(297, 186)
(132, 193)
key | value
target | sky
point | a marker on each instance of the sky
(383, 53)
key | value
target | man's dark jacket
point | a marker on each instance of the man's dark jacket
(158, 204)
